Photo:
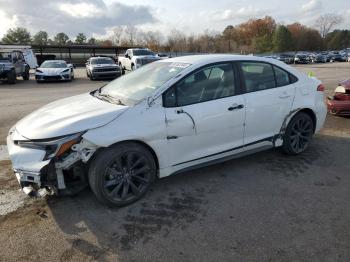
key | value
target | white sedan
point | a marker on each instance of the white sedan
(54, 70)
(166, 117)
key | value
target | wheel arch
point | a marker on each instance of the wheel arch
(142, 143)
(293, 113)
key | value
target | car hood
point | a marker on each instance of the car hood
(147, 57)
(67, 116)
(104, 65)
(52, 71)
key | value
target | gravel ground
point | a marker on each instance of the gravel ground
(264, 207)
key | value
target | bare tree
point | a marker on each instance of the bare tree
(177, 41)
(153, 39)
(325, 23)
(130, 33)
(117, 33)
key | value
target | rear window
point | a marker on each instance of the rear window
(282, 77)
(105, 60)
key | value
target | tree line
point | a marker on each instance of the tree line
(253, 36)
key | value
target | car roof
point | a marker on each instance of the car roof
(214, 58)
(197, 61)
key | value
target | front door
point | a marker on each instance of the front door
(204, 115)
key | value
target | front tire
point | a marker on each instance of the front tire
(11, 77)
(298, 134)
(26, 74)
(122, 174)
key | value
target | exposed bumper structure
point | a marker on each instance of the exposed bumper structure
(34, 173)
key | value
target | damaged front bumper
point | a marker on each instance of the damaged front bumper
(40, 173)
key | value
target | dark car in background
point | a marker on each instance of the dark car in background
(337, 57)
(318, 58)
(102, 67)
(301, 59)
(12, 65)
(286, 58)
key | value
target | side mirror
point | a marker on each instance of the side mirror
(126, 55)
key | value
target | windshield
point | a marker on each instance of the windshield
(5, 56)
(142, 82)
(139, 52)
(53, 64)
(102, 61)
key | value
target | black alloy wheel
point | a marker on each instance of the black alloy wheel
(298, 134)
(122, 174)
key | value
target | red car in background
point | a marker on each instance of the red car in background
(339, 104)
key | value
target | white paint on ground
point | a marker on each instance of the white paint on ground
(3, 153)
(11, 200)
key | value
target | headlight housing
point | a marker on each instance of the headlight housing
(53, 147)
(65, 71)
(39, 71)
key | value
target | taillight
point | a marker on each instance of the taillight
(321, 88)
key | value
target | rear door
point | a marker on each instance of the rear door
(269, 97)
(204, 115)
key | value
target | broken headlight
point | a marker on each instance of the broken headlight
(53, 147)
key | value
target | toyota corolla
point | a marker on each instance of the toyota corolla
(164, 118)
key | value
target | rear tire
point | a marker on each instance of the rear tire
(11, 77)
(122, 174)
(298, 134)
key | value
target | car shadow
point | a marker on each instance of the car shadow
(191, 201)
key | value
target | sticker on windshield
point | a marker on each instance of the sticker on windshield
(180, 65)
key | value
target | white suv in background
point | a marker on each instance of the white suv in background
(166, 117)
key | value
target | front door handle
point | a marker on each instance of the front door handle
(235, 107)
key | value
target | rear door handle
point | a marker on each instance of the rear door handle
(235, 107)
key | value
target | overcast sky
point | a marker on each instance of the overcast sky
(96, 17)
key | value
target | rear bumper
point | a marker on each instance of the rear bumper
(337, 107)
(320, 110)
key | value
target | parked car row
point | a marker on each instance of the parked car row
(314, 57)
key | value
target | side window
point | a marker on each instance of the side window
(282, 77)
(293, 78)
(169, 97)
(207, 84)
(257, 76)
(211, 83)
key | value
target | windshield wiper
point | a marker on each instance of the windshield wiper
(110, 99)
